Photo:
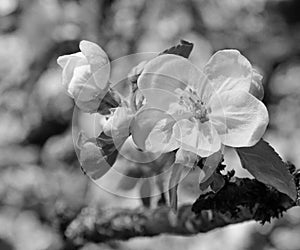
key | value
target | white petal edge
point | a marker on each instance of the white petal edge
(95, 55)
(239, 117)
(164, 74)
(229, 70)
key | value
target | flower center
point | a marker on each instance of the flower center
(193, 103)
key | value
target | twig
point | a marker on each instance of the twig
(240, 200)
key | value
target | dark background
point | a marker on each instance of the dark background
(40, 176)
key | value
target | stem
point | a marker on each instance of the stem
(239, 200)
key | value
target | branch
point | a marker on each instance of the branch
(239, 200)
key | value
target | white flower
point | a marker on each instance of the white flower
(198, 111)
(85, 75)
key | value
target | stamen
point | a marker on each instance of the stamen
(195, 105)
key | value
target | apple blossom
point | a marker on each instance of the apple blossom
(199, 111)
(97, 155)
(85, 75)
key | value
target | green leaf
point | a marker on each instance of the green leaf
(183, 49)
(216, 182)
(266, 166)
(209, 168)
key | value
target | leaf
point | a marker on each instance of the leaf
(209, 168)
(217, 183)
(211, 163)
(266, 166)
(183, 49)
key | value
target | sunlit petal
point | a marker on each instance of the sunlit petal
(239, 117)
(99, 62)
(95, 54)
(83, 89)
(68, 63)
(161, 138)
(163, 75)
(199, 138)
(80, 77)
(118, 124)
(145, 121)
(229, 70)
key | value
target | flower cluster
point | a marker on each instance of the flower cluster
(86, 76)
(174, 107)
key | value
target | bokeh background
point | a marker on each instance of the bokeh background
(40, 178)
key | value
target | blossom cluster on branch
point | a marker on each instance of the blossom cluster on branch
(176, 109)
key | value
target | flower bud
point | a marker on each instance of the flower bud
(85, 75)
(91, 157)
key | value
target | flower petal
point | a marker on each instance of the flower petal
(94, 54)
(229, 70)
(81, 75)
(118, 124)
(199, 138)
(239, 117)
(83, 89)
(68, 63)
(91, 157)
(163, 75)
(62, 60)
(161, 138)
(147, 120)
(98, 60)
(93, 162)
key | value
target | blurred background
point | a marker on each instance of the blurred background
(40, 177)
